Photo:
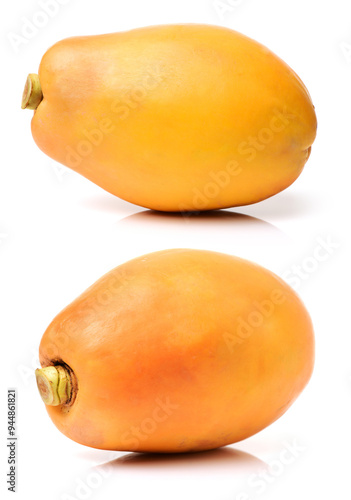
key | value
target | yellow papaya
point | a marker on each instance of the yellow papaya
(176, 351)
(175, 117)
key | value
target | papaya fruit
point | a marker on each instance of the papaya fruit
(173, 118)
(176, 351)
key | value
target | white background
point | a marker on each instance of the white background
(59, 233)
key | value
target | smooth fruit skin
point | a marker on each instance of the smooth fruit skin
(180, 350)
(175, 118)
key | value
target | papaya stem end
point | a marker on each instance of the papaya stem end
(54, 385)
(32, 93)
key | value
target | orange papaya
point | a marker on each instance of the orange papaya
(176, 351)
(175, 117)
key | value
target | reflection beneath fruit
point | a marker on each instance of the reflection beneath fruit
(244, 228)
(223, 460)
